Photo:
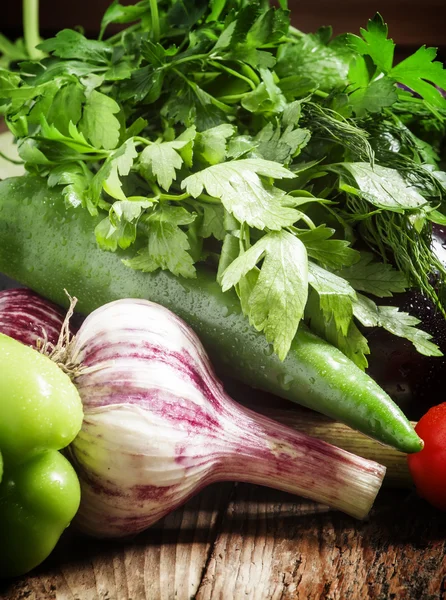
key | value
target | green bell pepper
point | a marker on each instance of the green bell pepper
(40, 413)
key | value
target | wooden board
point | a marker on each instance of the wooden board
(241, 541)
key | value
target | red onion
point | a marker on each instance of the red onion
(158, 426)
(27, 317)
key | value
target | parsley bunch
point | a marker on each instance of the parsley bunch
(298, 167)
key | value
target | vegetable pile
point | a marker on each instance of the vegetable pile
(157, 427)
(215, 132)
(271, 188)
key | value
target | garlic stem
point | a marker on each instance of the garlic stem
(271, 454)
(333, 432)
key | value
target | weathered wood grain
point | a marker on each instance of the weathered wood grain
(271, 546)
(258, 544)
(164, 562)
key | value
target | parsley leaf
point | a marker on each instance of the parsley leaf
(277, 301)
(419, 71)
(353, 344)
(377, 278)
(374, 43)
(72, 44)
(396, 322)
(330, 252)
(168, 245)
(326, 65)
(367, 95)
(76, 181)
(335, 297)
(211, 144)
(117, 164)
(383, 187)
(99, 123)
(161, 160)
(238, 185)
(273, 144)
(212, 222)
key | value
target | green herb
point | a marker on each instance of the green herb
(215, 132)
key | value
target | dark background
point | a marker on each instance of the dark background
(411, 22)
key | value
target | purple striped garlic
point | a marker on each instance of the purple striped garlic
(158, 427)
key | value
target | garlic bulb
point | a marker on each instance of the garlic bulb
(158, 427)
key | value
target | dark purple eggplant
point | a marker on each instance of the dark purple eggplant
(415, 382)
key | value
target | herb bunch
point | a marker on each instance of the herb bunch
(299, 167)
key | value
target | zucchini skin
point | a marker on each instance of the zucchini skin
(50, 248)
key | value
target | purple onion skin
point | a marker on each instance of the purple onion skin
(27, 317)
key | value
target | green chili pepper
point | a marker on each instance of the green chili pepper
(48, 248)
(40, 413)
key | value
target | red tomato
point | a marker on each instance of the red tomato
(428, 467)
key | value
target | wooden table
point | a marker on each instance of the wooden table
(246, 542)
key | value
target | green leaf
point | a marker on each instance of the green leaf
(72, 44)
(330, 252)
(274, 145)
(375, 43)
(238, 185)
(192, 105)
(74, 139)
(30, 153)
(110, 236)
(161, 160)
(335, 296)
(168, 244)
(211, 144)
(212, 222)
(66, 107)
(397, 322)
(383, 187)
(145, 84)
(266, 98)
(310, 57)
(117, 13)
(354, 345)
(217, 7)
(117, 165)
(377, 278)
(76, 181)
(366, 95)
(229, 252)
(420, 72)
(277, 301)
(98, 122)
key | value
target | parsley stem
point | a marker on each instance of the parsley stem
(117, 36)
(174, 197)
(11, 160)
(208, 199)
(31, 28)
(141, 140)
(231, 98)
(296, 32)
(320, 93)
(222, 67)
(155, 20)
(186, 59)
